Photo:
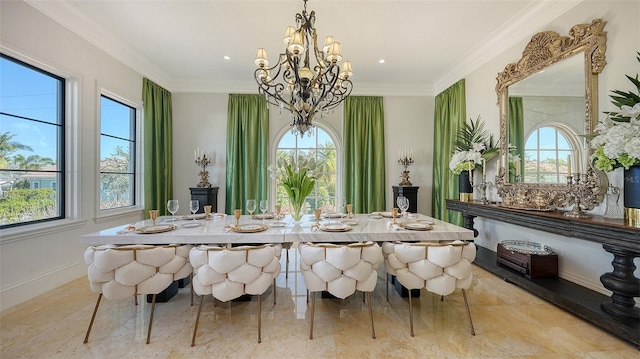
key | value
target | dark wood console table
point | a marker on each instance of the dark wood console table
(617, 313)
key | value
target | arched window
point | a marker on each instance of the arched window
(546, 151)
(321, 146)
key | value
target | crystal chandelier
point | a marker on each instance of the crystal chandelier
(297, 84)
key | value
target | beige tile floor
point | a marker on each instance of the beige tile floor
(509, 323)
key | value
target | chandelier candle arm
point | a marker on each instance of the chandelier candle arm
(293, 83)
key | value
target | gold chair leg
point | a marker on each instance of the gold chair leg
(93, 317)
(466, 304)
(274, 292)
(373, 329)
(135, 299)
(260, 319)
(286, 271)
(386, 281)
(153, 307)
(442, 298)
(191, 286)
(313, 309)
(195, 328)
(410, 312)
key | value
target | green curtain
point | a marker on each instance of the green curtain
(247, 151)
(516, 131)
(449, 116)
(364, 159)
(158, 146)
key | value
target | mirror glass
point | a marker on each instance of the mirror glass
(547, 120)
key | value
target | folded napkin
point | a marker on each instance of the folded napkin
(315, 228)
(394, 227)
(129, 229)
(227, 228)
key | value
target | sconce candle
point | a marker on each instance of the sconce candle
(569, 164)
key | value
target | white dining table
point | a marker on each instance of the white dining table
(219, 230)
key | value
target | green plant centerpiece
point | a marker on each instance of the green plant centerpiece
(297, 179)
(473, 144)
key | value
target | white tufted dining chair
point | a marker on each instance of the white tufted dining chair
(228, 273)
(340, 270)
(441, 268)
(119, 272)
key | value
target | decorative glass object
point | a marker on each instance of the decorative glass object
(612, 209)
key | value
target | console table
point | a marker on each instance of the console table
(617, 313)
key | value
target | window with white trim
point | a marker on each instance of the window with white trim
(117, 154)
(32, 143)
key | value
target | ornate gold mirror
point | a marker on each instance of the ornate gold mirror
(548, 102)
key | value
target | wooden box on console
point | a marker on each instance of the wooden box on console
(531, 265)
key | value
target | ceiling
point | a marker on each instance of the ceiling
(428, 45)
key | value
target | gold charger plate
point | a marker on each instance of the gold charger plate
(263, 216)
(158, 228)
(334, 215)
(250, 228)
(417, 226)
(335, 227)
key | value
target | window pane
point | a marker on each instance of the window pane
(28, 93)
(116, 190)
(116, 119)
(563, 144)
(306, 141)
(117, 154)
(288, 141)
(547, 138)
(532, 141)
(31, 155)
(29, 197)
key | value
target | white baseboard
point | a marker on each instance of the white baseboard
(35, 286)
(596, 287)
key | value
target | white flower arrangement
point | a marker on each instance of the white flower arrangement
(473, 144)
(617, 139)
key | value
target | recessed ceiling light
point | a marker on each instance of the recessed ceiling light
(226, 58)
(381, 61)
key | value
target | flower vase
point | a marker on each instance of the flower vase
(297, 209)
(465, 189)
(632, 196)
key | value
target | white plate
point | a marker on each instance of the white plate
(335, 215)
(263, 216)
(386, 214)
(417, 226)
(375, 216)
(197, 216)
(170, 220)
(250, 228)
(158, 228)
(190, 225)
(349, 221)
(278, 224)
(427, 221)
(335, 227)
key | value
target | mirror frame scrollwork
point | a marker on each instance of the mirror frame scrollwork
(545, 49)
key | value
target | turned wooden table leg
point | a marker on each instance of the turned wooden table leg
(624, 285)
(468, 223)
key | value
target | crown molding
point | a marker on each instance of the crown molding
(360, 89)
(527, 22)
(76, 22)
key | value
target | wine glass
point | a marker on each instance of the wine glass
(172, 207)
(194, 206)
(342, 202)
(251, 206)
(403, 205)
(264, 205)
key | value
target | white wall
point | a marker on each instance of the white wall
(200, 121)
(39, 258)
(579, 261)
